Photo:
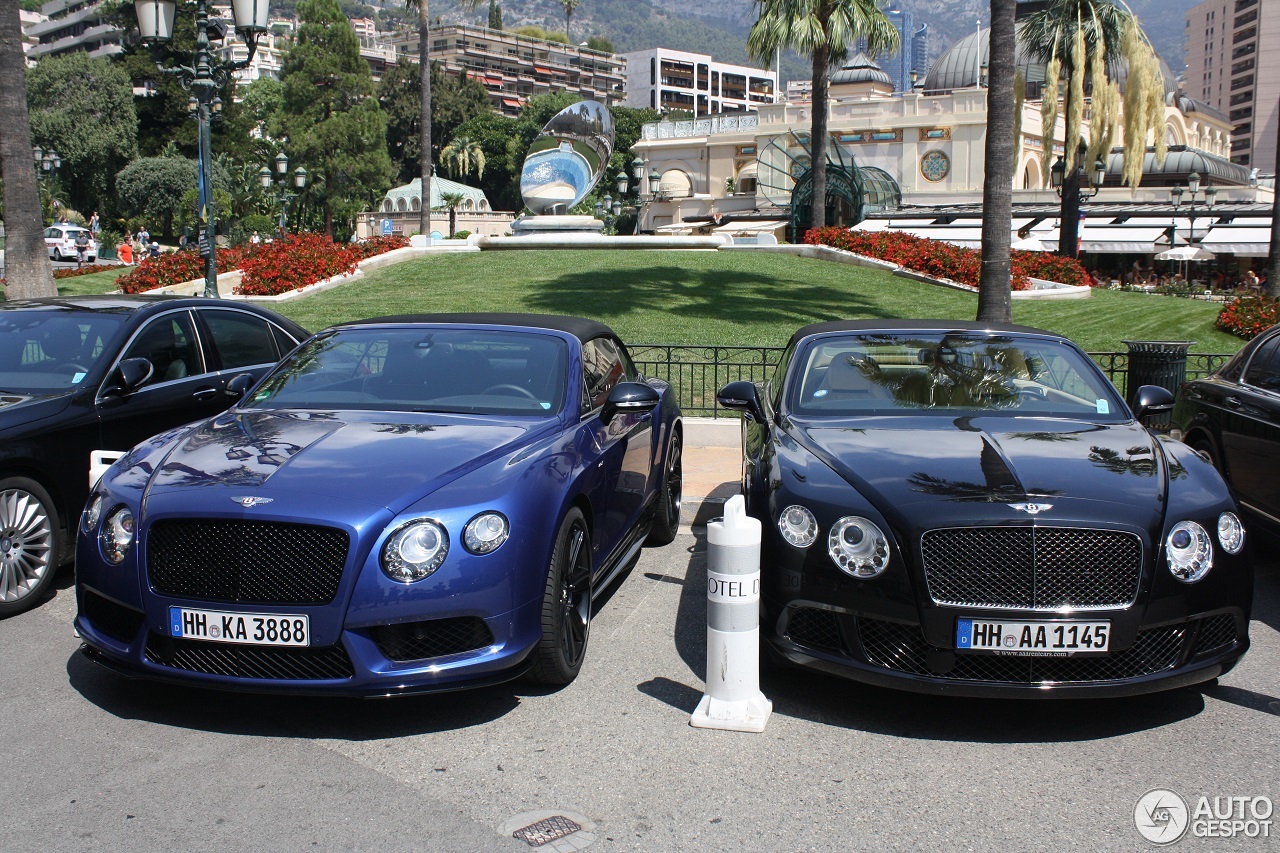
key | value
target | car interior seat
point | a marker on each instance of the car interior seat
(62, 342)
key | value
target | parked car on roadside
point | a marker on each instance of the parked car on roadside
(404, 504)
(92, 373)
(60, 240)
(1232, 416)
(973, 509)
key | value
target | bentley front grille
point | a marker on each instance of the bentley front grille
(1032, 568)
(277, 663)
(253, 562)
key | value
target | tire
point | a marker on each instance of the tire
(666, 516)
(566, 605)
(57, 255)
(28, 544)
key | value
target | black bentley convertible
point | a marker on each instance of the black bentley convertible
(973, 509)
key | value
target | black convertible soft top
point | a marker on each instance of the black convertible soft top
(914, 325)
(579, 327)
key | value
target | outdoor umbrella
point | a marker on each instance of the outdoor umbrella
(1029, 244)
(1186, 253)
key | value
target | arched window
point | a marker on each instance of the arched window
(416, 203)
(675, 184)
(400, 205)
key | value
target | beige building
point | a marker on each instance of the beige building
(900, 151)
(514, 68)
(1233, 66)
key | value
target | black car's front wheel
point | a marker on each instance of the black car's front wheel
(666, 517)
(566, 605)
(28, 544)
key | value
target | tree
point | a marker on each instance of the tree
(155, 188)
(452, 201)
(495, 15)
(27, 267)
(994, 291)
(332, 123)
(454, 100)
(823, 30)
(1080, 40)
(83, 108)
(600, 43)
(569, 6)
(494, 133)
(462, 155)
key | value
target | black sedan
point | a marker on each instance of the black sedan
(1232, 416)
(973, 509)
(80, 375)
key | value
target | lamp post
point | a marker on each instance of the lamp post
(1175, 196)
(1074, 188)
(202, 78)
(47, 165)
(281, 179)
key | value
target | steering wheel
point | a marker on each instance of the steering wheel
(1034, 391)
(70, 367)
(523, 392)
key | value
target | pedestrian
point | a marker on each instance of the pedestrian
(95, 225)
(255, 239)
(154, 251)
(1251, 282)
(144, 237)
(125, 251)
(182, 241)
(82, 247)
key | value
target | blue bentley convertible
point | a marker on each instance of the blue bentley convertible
(404, 504)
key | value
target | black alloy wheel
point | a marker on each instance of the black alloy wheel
(566, 605)
(666, 517)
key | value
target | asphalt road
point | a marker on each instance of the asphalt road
(92, 762)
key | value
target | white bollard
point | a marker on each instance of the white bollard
(733, 700)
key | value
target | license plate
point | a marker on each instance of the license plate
(251, 629)
(1049, 639)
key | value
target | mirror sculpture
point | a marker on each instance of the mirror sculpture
(567, 159)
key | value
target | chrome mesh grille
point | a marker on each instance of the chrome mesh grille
(902, 648)
(246, 561)
(1216, 632)
(1032, 568)
(432, 638)
(814, 627)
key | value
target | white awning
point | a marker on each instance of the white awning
(738, 227)
(679, 228)
(1249, 242)
(1117, 239)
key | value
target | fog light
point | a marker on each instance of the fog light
(1230, 533)
(485, 532)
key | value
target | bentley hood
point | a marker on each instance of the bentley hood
(1114, 471)
(361, 456)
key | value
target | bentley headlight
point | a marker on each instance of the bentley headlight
(798, 526)
(117, 535)
(858, 547)
(1230, 533)
(414, 551)
(1190, 551)
(485, 532)
(93, 512)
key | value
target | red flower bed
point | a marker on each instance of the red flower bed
(943, 260)
(294, 262)
(266, 269)
(1249, 316)
(84, 270)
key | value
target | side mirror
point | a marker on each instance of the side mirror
(130, 375)
(742, 396)
(239, 385)
(1152, 400)
(629, 398)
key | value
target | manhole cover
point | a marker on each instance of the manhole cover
(561, 831)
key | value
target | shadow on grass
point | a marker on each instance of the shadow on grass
(711, 295)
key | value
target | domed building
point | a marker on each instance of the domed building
(919, 156)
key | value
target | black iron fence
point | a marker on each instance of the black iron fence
(698, 372)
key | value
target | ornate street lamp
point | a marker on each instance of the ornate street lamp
(1074, 189)
(203, 78)
(1175, 196)
(47, 162)
(281, 179)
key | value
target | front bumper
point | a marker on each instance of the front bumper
(432, 655)
(897, 655)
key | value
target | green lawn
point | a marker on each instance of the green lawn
(727, 298)
(94, 282)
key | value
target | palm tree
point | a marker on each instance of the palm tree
(452, 201)
(27, 267)
(994, 296)
(1080, 40)
(823, 30)
(570, 6)
(462, 155)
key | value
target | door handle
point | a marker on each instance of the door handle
(1232, 402)
(205, 393)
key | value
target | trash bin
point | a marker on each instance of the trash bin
(1162, 363)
